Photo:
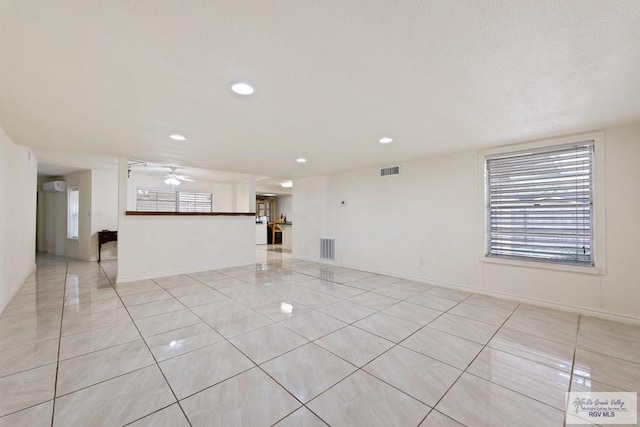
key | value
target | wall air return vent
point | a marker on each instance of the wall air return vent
(327, 249)
(393, 170)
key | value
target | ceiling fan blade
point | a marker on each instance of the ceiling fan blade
(184, 178)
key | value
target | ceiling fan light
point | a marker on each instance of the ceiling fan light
(171, 181)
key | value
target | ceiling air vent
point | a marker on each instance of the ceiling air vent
(393, 170)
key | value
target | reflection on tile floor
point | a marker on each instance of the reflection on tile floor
(288, 342)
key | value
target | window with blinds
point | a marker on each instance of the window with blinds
(540, 204)
(153, 200)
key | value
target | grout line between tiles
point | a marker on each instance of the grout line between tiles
(260, 367)
(105, 380)
(28, 407)
(96, 351)
(240, 373)
(384, 352)
(573, 362)
(463, 371)
(152, 355)
(29, 369)
(151, 413)
(605, 355)
(55, 384)
(361, 368)
(492, 382)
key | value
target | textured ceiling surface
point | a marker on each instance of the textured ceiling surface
(331, 77)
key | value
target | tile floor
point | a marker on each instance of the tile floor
(287, 342)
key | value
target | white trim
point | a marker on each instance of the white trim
(69, 190)
(542, 265)
(597, 137)
(599, 223)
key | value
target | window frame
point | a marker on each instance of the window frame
(598, 197)
(75, 188)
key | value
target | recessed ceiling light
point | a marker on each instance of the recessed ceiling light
(242, 88)
(177, 137)
(287, 184)
(301, 160)
(385, 140)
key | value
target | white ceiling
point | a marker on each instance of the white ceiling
(54, 162)
(194, 173)
(268, 185)
(331, 77)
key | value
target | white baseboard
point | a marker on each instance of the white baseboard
(587, 311)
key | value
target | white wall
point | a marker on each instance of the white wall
(98, 211)
(52, 219)
(104, 210)
(284, 205)
(224, 193)
(246, 200)
(18, 184)
(81, 247)
(156, 246)
(40, 229)
(427, 223)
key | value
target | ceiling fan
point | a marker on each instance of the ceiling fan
(172, 178)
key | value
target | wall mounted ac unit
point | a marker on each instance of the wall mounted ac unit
(54, 186)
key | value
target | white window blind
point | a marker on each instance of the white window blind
(540, 204)
(194, 202)
(154, 200)
(73, 212)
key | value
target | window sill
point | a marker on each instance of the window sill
(72, 238)
(543, 265)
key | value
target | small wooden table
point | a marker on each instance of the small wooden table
(106, 236)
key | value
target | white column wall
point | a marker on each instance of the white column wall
(18, 186)
(157, 246)
(104, 211)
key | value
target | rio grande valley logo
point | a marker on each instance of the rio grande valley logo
(602, 408)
